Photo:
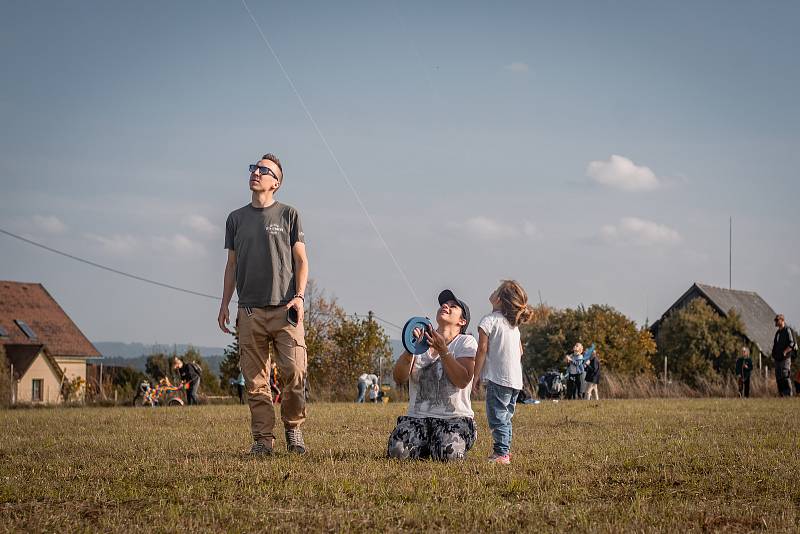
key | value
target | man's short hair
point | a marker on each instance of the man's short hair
(779, 317)
(274, 159)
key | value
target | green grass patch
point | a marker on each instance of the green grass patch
(649, 465)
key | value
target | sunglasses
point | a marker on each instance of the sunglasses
(263, 171)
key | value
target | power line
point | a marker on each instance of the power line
(151, 281)
(109, 269)
(333, 155)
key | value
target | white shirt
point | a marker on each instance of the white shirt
(430, 392)
(503, 364)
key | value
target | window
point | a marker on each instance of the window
(3, 332)
(25, 328)
(36, 389)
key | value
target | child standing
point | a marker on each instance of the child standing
(498, 362)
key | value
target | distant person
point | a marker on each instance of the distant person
(373, 392)
(782, 350)
(575, 372)
(190, 376)
(744, 367)
(592, 376)
(268, 267)
(240, 387)
(364, 382)
(498, 363)
(797, 382)
(440, 422)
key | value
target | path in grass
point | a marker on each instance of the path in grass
(615, 465)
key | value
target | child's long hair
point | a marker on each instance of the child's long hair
(514, 303)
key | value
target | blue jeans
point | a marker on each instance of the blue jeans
(362, 389)
(500, 404)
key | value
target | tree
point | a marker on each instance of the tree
(340, 348)
(698, 342)
(71, 388)
(361, 345)
(624, 348)
(157, 366)
(229, 367)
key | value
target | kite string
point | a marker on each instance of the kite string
(333, 156)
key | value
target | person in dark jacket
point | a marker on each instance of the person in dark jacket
(189, 375)
(592, 376)
(744, 366)
(782, 349)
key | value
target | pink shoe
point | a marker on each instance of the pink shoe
(503, 459)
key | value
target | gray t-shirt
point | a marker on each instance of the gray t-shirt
(262, 239)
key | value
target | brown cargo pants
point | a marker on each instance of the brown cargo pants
(259, 330)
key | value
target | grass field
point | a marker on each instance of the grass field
(653, 465)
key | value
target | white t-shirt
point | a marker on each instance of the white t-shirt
(503, 364)
(430, 392)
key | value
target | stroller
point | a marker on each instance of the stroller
(552, 385)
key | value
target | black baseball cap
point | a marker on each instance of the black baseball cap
(448, 295)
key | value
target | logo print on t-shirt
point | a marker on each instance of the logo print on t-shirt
(274, 229)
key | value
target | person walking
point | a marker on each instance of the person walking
(592, 376)
(782, 350)
(268, 268)
(239, 383)
(498, 363)
(744, 367)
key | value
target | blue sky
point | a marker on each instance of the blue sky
(592, 150)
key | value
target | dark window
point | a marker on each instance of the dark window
(3, 332)
(25, 328)
(36, 389)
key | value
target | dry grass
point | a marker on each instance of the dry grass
(653, 465)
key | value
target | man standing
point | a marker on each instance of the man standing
(190, 375)
(267, 265)
(782, 349)
(744, 366)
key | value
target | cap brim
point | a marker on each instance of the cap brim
(446, 296)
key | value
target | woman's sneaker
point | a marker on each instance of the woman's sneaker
(503, 459)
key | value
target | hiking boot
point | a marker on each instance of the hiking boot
(261, 448)
(502, 459)
(294, 441)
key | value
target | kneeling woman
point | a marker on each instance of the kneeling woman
(440, 422)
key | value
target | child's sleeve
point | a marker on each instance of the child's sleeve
(487, 324)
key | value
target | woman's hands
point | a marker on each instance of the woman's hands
(436, 340)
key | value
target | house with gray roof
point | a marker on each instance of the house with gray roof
(757, 316)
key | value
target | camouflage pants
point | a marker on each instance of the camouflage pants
(440, 439)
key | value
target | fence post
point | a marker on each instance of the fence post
(665, 371)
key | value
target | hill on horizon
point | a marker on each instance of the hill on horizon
(116, 349)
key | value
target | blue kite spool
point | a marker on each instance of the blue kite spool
(420, 345)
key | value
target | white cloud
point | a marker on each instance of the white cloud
(640, 232)
(117, 244)
(531, 230)
(202, 226)
(49, 224)
(621, 173)
(178, 245)
(487, 228)
(517, 66)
